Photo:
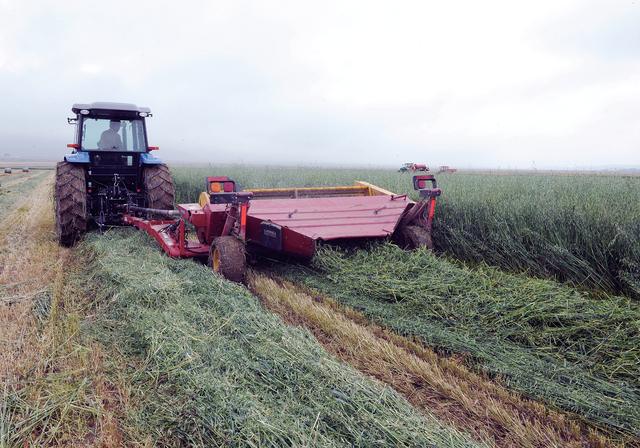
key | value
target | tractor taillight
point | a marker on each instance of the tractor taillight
(154, 148)
(221, 185)
(89, 190)
(73, 145)
(138, 190)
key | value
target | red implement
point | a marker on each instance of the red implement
(289, 221)
(332, 218)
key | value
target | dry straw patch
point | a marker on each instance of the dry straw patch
(434, 384)
(27, 270)
(54, 388)
(9, 181)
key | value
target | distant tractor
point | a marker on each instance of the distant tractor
(413, 167)
(446, 169)
(111, 166)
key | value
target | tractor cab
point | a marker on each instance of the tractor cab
(111, 139)
(110, 127)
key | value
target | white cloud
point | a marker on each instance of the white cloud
(471, 82)
(403, 55)
(91, 69)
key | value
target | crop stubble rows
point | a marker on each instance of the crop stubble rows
(171, 386)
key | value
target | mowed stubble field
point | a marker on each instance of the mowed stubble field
(111, 343)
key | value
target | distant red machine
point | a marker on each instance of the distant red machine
(446, 169)
(232, 225)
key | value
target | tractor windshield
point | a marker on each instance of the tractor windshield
(113, 135)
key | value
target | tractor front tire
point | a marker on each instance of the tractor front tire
(227, 258)
(159, 188)
(71, 197)
(413, 237)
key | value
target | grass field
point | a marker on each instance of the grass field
(53, 390)
(113, 344)
(544, 340)
(576, 349)
(215, 366)
(581, 229)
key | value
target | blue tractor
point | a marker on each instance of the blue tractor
(111, 166)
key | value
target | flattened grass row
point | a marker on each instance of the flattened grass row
(219, 370)
(545, 340)
(11, 194)
(579, 229)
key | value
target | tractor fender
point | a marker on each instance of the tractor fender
(79, 157)
(149, 159)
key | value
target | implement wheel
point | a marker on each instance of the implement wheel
(158, 185)
(413, 237)
(227, 258)
(71, 197)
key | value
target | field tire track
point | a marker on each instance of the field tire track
(21, 179)
(58, 386)
(434, 384)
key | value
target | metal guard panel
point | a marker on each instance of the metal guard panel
(149, 159)
(193, 213)
(334, 218)
(79, 157)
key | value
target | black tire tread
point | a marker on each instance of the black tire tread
(233, 262)
(159, 187)
(70, 191)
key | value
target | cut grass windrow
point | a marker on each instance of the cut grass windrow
(14, 190)
(215, 368)
(547, 341)
(434, 384)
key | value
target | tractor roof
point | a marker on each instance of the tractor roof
(109, 106)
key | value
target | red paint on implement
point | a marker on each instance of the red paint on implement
(175, 248)
(334, 218)
(289, 221)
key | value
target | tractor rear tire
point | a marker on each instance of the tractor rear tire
(227, 258)
(414, 237)
(71, 197)
(159, 188)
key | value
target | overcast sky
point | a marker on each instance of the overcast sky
(466, 83)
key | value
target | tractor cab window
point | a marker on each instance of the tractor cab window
(113, 135)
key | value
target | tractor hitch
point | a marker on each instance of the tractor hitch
(154, 211)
